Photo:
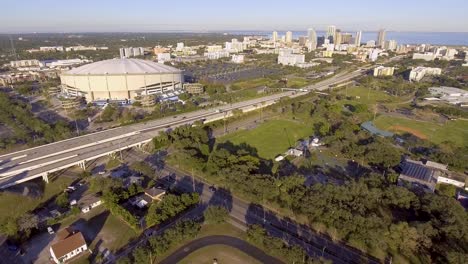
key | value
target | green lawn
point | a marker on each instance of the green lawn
(223, 254)
(454, 131)
(367, 96)
(249, 84)
(103, 226)
(297, 82)
(15, 205)
(271, 138)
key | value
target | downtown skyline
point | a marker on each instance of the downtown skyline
(147, 16)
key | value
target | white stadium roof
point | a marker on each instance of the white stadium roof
(122, 66)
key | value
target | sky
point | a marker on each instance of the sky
(25, 16)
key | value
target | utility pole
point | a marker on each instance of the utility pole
(193, 181)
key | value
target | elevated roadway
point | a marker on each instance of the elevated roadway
(24, 165)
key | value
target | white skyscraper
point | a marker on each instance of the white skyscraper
(357, 40)
(381, 38)
(289, 37)
(312, 44)
(331, 32)
(274, 36)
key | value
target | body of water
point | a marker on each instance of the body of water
(434, 38)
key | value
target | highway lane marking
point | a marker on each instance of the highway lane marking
(19, 157)
(10, 173)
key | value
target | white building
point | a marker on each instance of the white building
(291, 59)
(374, 54)
(237, 58)
(331, 31)
(381, 38)
(131, 52)
(213, 48)
(428, 56)
(312, 39)
(234, 46)
(451, 95)
(180, 46)
(370, 43)
(288, 37)
(217, 54)
(418, 73)
(274, 36)
(391, 44)
(83, 48)
(52, 48)
(68, 247)
(450, 181)
(163, 57)
(357, 40)
(24, 63)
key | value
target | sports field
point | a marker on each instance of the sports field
(273, 137)
(454, 131)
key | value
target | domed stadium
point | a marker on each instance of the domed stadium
(120, 79)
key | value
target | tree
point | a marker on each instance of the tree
(62, 200)
(215, 214)
(446, 189)
(141, 255)
(27, 222)
(9, 227)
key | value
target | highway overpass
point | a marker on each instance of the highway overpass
(28, 164)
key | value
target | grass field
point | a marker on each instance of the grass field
(271, 138)
(249, 84)
(224, 254)
(454, 131)
(370, 97)
(15, 205)
(297, 82)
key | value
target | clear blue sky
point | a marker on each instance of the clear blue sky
(207, 15)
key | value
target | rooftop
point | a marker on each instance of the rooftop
(68, 244)
(122, 66)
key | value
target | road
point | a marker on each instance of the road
(234, 242)
(245, 213)
(37, 162)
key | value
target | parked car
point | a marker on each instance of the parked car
(50, 230)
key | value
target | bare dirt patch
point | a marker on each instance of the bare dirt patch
(413, 131)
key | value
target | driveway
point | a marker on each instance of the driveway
(237, 243)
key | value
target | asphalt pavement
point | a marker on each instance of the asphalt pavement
(234, 242)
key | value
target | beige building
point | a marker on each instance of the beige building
(193, 88)
(120, 79)
(383, 71)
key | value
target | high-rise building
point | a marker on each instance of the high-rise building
(274, 36)
(381, 38)
(390, 45)
(346, 38)
(331, 33)
(357, 40)
(337, 37)
(289, 37)
(312, 39)
(302, 40)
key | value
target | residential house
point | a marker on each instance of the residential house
(70, 244)
(155, 193)
(89, 202)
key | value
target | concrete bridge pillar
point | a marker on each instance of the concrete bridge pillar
(45, 177)
(83, 165)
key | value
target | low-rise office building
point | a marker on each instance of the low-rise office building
(384, 71)
(193, 88)
(418, 73)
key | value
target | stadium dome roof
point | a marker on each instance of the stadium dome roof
(122, 66)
